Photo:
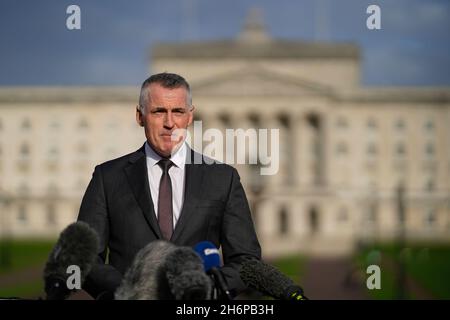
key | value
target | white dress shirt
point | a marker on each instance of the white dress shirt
(176, 173)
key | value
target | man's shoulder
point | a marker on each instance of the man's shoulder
(122, 161)
(210, 164)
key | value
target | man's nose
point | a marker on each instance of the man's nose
(168, 121)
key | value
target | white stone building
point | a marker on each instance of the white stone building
(344, 149)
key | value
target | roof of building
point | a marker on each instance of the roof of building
(98, 94)
(271, 49)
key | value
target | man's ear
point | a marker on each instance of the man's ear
(139, 117)
(191, 115)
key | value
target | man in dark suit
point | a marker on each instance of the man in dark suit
(162, 191)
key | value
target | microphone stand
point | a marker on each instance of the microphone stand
(219, 283)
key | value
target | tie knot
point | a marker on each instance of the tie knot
(165, 164)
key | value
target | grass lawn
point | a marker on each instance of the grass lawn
(428, 265)
(27, 290)
(431, 268)
(24, 253)
(23, 260)
(291, 266)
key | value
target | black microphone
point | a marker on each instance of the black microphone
(185, 275)
(163, 271)
(270, 281)
(211, 262)
(77, 246)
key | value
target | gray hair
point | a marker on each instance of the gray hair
(166, 80)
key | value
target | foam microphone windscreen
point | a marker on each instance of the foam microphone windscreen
(269, 280)
(77, 245)
(145, 279)
(163, 271)
(186, 277)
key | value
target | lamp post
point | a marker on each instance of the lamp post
(401, 277)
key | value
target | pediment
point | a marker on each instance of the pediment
(257, 82)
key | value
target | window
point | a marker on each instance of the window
(197, 116)
(313, 220)
(52, 159)
(83, 124)
(26, 124)
(429, 185)
(429, 149)
(284, 222)
(254, 120)
(430, 218)
(24, 150)
(51, 215)
(225, 119)
(372, 124)
(429, 125)
(342, 123)
(53, 152)
(23, 165)
(372, 149)
(342, 215)
(400, 125)
(341, 148)
(22, 214)
(372, 214)
(400, 149)
(284, 120)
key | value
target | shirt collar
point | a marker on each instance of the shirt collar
(179, 158)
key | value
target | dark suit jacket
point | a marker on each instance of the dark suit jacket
(118, 205)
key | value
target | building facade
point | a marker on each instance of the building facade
(344, 149)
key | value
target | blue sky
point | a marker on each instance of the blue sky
(113, 45)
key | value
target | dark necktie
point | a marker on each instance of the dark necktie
(165, 212)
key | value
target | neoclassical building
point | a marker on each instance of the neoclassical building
(344, 149)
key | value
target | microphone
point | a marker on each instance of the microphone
(211, 263)
(269, 280)
(77, 245)
(185, 275)
(163, 271)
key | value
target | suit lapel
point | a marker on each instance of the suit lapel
(192, 193)
(138, 178)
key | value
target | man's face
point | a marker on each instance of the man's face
(166, 111)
